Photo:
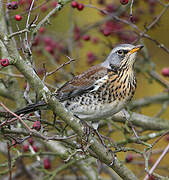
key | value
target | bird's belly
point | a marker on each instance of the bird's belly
(87, 111)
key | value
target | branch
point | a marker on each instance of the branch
(159, 79)
(160, 98)
(145, 122)
(157, 162)
(18, 32)
(5, 93)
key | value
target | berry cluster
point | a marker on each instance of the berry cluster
(77, 5)
(26, 147)
(13, 5)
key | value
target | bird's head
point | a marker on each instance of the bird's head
(121, 56)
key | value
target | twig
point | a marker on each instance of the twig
(159, 79)
(3, 123)
(158, 139)
(155, 21)
(18, 117)
(64, 64)
(11, 74)
(38, 135)
(131, 8)
(18, 32)
(26, 93)
(27, 26)
(61, 66)
(163, 109)
(157, 162)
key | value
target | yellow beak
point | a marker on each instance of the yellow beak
(136, 48)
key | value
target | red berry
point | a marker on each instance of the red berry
(25, 147)
(80, 6)
(47, 41)
(31, 141)
(90, 57)
(165, 72)
(4, 62)
(35, 148)
(95, 40)
(86, 37)
(106, 32)
(54, 4)
(129, 158)
(31, 114)
(42, 30)
(18, 17)
(37, 125)
(47, 163)
(74, 4)
(14, 5)
(49, 49)
(124, 2)
(44, 8)
(36, 41)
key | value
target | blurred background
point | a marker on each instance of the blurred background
(87, 34)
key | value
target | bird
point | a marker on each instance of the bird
(101, 90)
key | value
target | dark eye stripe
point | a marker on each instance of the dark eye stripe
(122, 51)
(125, 51)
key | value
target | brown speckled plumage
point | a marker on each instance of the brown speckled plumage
(106, 87)
(79, 95)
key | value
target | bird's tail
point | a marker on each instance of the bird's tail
(31, 108)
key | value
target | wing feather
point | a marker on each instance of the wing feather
(82, 83)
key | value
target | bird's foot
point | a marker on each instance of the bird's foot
(92, 129)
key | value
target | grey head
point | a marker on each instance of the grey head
(122, 54)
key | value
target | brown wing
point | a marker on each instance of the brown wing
(82, 83)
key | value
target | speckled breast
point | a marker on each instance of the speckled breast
(113, 94)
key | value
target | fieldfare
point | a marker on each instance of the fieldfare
(101, 90)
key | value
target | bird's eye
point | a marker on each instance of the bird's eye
(120, 52)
